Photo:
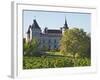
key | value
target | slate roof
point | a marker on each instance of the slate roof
(49, 35)
(35, 25)
(54, 31)
(47, 31)
(65, 25)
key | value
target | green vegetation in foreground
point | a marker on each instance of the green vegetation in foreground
(75, 51)
(51, 61)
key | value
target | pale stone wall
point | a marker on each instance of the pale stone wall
(50, 42)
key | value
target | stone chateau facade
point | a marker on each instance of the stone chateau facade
(49, 38)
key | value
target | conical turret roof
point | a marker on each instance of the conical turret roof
(65, 25)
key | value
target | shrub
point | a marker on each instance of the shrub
(31, 48)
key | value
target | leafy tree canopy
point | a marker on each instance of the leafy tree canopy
(31, 48)
(75, 41)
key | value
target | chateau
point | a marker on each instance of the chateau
(49, 38)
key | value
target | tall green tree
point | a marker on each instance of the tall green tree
(31, 48)
(75, 41)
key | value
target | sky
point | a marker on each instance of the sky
(56, 20)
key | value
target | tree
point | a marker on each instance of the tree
(75, 41)
(31, 48)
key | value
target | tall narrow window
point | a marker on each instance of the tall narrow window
(49, 41)
(55, 46)
(43, 41)
(55, 41)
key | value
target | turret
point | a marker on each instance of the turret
(28, 38)
(65, 27)
(36, 30)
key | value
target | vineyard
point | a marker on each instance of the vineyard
(53, 62)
